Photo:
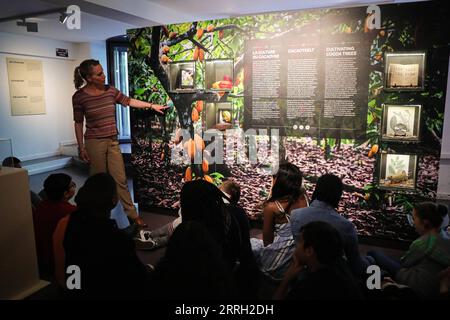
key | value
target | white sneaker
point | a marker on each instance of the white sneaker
(144, 240)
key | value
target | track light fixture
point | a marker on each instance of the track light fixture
(31, 26)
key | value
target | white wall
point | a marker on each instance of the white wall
(37, 136)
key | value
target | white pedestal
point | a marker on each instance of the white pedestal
(19, 275)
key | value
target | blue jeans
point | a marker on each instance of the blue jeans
(391, 265)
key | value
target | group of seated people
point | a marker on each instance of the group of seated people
(307, 250)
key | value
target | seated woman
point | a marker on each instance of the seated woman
(274, 252)
(59, 188)
(105, 255)
(427, 256)
(192, 267)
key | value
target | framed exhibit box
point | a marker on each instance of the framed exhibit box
(397, 171)
(219, 115)
(219, 74)
(182, 76)
(404, 71)
(401, 123)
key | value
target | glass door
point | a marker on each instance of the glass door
(121, 83)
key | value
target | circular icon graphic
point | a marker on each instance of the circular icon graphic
(295, 127)
(307, 127)
(301, 127)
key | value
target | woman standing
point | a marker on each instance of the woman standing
(95, 102)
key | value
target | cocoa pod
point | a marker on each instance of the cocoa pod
(199, 143)
(194, 115)
(172, 35)
(199, 33)
(374, 149)
(205, 166)
(165, 49)
(196, 53)
(220, 34)
(199, 106)
(189, 146)
(201, 54)
(188, 174)
(208, 178)
(210, 28)
(164, 58)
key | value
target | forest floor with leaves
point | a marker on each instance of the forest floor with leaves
(158, 183)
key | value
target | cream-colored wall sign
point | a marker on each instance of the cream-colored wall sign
(26, 86)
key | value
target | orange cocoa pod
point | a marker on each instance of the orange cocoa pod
(199, 143)
(210, 28)
(188, 174)
(370, 155)
(194, 115)
(199, 106)
(189, 146)
(199, 33)
(208, 178)
(374, 149)
(205, 166)
(164, 58)
(201, 54)
(165, 49)
(195, 53)
(172, 35)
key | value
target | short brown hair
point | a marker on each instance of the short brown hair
(233, 189)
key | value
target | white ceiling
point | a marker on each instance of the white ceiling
(102, 19)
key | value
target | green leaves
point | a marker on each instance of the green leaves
(217, 178)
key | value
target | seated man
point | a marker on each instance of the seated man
(319, 250)
(325, 199)
(60, 189)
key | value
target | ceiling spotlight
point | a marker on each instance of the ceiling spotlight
(31, 26)
(63, 17)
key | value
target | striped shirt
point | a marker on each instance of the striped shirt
(99, 111)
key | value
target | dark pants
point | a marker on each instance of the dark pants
(391, 265)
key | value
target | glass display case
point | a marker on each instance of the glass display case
(182, 76)
(219, 115)
(404, 71)
(219, 74)
(401, 123)
(397, 171)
